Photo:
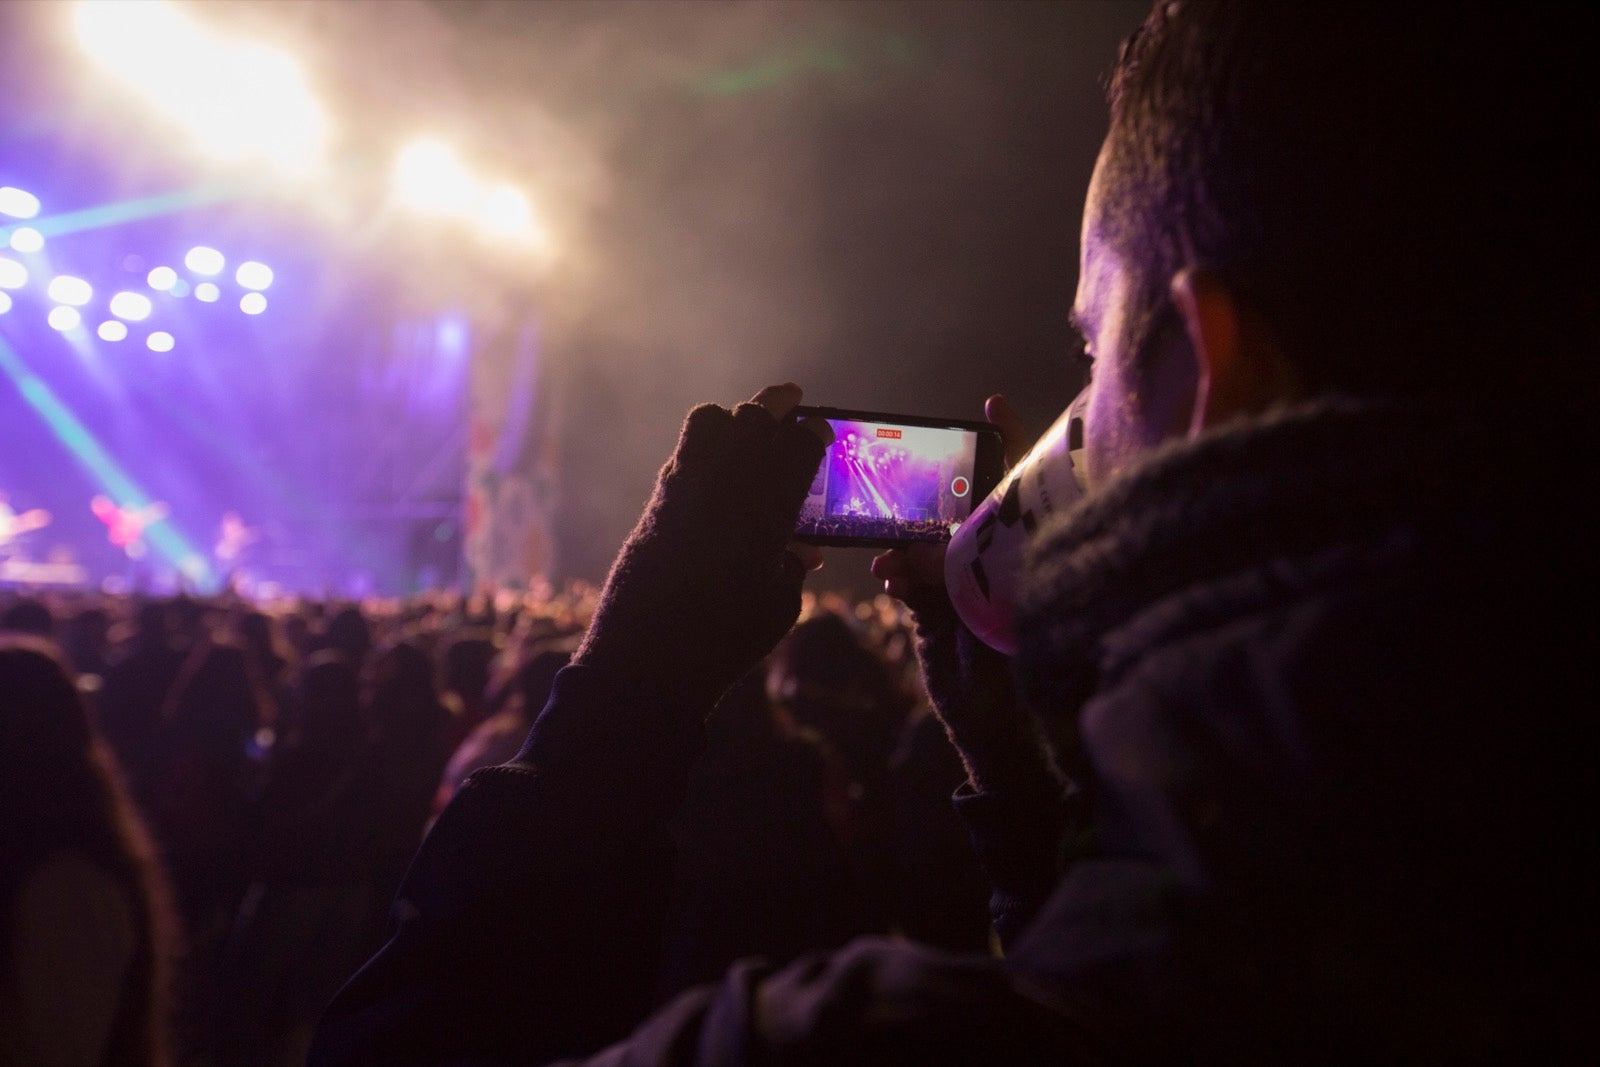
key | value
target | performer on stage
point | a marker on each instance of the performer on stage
(14, 524)
(233, 539)
(126, 526)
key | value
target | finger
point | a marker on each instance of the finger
(810, 556)
(779, 400)
(894, 571)
(819, 426)
(1013, 434)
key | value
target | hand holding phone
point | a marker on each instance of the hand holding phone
(897, 479)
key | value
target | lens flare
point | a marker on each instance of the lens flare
(162, 279)
(160, 341)
(65, 318)
(253, 275)
(135, 307)
(13, 275)
(112, 330)
(207, 292)
(17, 203)
(239, 101)
(65, 289)
(203, 260)
(252, 303)
(26, 239)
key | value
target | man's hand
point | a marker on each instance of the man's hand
(970, 683)
(710, 578)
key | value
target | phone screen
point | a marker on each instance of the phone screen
(883, 482)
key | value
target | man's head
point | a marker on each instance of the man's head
(1302, 199)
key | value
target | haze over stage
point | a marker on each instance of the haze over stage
(296, 262)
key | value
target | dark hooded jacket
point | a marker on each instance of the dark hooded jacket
(1320, 680)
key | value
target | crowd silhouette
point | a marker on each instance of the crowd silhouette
(262, 776)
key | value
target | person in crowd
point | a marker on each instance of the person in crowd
(499, 738)
(349, 633)
(311, 853)
(761, 868)
(28, 615)
(1306, 652)
(86, 936)
(135, 689)
(469, 657)
(212, 711)
(410, 738)
(824, 680)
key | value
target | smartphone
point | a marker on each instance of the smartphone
(893, 479)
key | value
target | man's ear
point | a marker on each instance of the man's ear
(1240, 370)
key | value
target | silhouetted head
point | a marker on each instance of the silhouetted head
(27, 617)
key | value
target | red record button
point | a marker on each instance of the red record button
(960, 487)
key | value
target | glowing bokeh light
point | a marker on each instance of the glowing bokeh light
(65, 318)
(203, 260)
(13, 275)
(430, 177)
(208, 292)
(162, 279)
(65, 289)
(252, 303)
(112, 330)
(135, 307)
(160, 341)
(253, 275)
(240, 101)
(180, 288)
(506, 212)
(5, 302)
(18, 204)
(26, 239)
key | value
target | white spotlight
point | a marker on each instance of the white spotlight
(208, 292)
(253, 275)
(240, 101)
(18, 204)
(203, 260)
(26, 239)
(252, 303)
(430, 177)
(160, 341)
(65, 289)
(162, 279)
(5, 302)
(112, 330)
(135, 307)
(65, 318)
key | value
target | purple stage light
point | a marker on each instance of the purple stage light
(253, 275)
(160, 341)
(18, 204)
(162, 279)
(203, 260)
(208, 292)
(13, 275)
(65, 318)
(26, 239)
(5, 302)
(65, 289)
(135, 307)
(252, 303)
(112, 330)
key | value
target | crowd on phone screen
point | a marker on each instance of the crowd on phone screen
(221, 798)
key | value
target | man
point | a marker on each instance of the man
(1304, 653)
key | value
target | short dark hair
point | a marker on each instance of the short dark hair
(1401, 191)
